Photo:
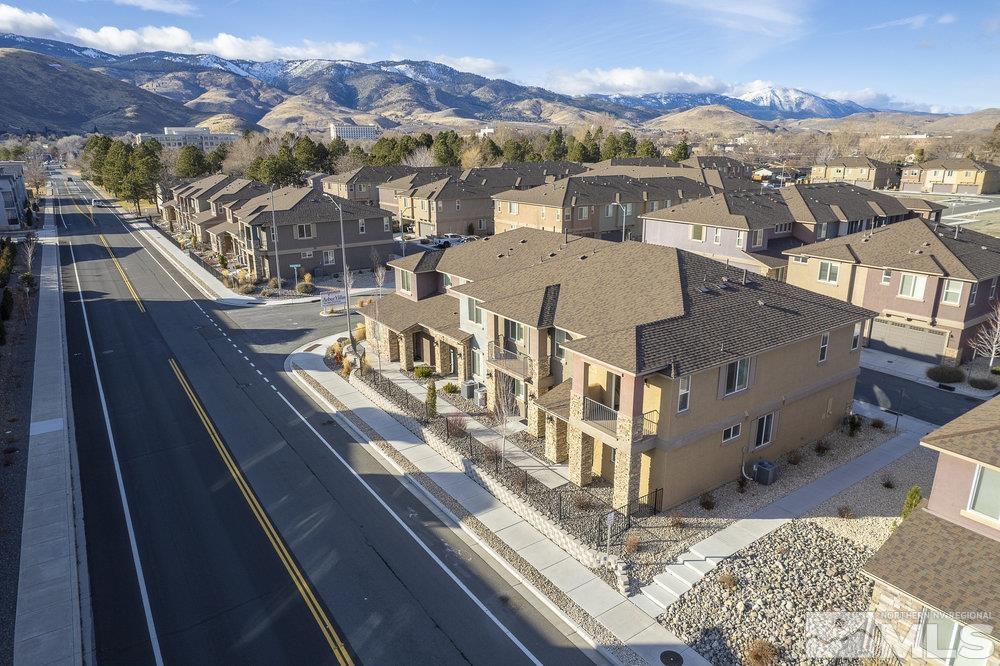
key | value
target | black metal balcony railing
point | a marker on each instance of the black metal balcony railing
(648, 426)
(600, 415)
(510, 362)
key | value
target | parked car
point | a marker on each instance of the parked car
(454, 238)
(441, 245)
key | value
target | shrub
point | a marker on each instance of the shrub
(794, 457)
(266, 292)
(878, 424)
(822, 447)
(845, 512)
(761, 653)
(632, 543)
(430, 402)
(583, 501)
(223, 261)
(450, 388)
(305, 287)
(888, 481)
(946, 374)
(741, 484)
(334, 350)
(913, 498)
(345, 368)
(707, 501)
(854, 422)
(423, 371)
(26, 281)
(995, 369)
(727, 580)
(6, 304)
(360, 332)
(982, 383)
(308, 277)
(247, 288)
(675, 520)
(274, 283)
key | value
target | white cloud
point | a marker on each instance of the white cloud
(179, 7)
(632, 81)
(481, 66)
(913, 22)
(776, 18)
(31, 24)
(945, 19)
(889, 102)
(179, 40)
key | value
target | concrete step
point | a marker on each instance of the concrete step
(700, 566)
(647, 604)
(672, 583)
(659, 595)
(689, 576)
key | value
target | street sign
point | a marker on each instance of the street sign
(295, 265)
(332, 299)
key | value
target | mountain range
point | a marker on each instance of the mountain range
(147, 89)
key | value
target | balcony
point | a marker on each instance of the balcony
(600, 415)
(509, 362)
(648, 426)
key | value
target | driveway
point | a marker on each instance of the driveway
(926, 403)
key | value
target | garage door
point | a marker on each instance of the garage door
(910, 187)
(942, 187)
(907, 340)
(968, 189)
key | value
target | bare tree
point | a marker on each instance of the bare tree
(28, 247)
(421, 157)
(34, 172)
(503, 406)
(987, 340)
(378, 273)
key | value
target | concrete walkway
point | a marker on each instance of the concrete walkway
(48, 627)
(703, 556)
(913, 370)
(630, 623)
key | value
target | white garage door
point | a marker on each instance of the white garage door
(925, 344)
(942, 187)
(910, 187)
(968, 189)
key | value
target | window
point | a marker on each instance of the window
(306, 254)
(717, 235)
(477, 363)
(440, 205)
(739, 239)
(732, 432)
(886, 276)
(582, 212)
(567, 215)
(824, 346)
(446, 279)
(517, 388)
(856, 338)
(697, 232)
(943, 638)
(475, 312)
(513, 330)
(737, 375)
(801, 260)
(512, 207)
(653, 205)
(609, 210)
(386, 224)
(828, 272)
(758, 237)
(559, 338)
(482, 224)
(628, 209)
(952, 294)
(329, 257)
(303, 231)
(973, 292)
(361, 226)
(985, 498)
(993, 289)
(423, 204)
(912, 286)
(684, 393)
(404, 280)
(783, 228)
(765, 425)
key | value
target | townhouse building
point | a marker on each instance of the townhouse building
(192, 198)
(361, 184)
(389, 192)
(308, 234)
(728, 166)
(13, 195)
(651, 367)
(861, 171)
(952, 176)
(933, 286)
(937, 593)
(752, 229)
(207, 227)
(719, 179)
(586, 205)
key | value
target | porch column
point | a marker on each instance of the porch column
(406, 351)
(580, 446)
(536, 419)
(555, 440)
(443, 357)
(393, 343)
(462, 353)
(627, 468)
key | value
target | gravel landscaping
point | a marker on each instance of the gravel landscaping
(765, 590)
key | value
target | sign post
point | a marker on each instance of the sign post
(332, 299)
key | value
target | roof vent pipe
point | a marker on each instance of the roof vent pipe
(744, 277)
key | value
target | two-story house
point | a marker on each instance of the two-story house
(308, 238)
(192, 198)
(952, 176)
(13, 195)
(361, 184)
(933, 286)
(389, 191)
(205, 226)
(586, 205)
(861, 171)
(752, 229)
(937, 587)
(654, 368)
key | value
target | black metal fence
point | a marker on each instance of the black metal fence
(578, 510)
(214, 270)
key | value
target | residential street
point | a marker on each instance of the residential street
(255, 544)
(917, 400)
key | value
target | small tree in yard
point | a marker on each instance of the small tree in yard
(987, 340)
(913, 498)
(28, 248)
(378, 273)
(430, 402)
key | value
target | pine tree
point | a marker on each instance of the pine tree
(556, 148)
(912, 501)
(191, 162)
(430, 402)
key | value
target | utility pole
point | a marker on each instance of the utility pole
(343, 254)
(274, 240)
(620, 205)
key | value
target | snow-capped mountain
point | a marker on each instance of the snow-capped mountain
(796, 103)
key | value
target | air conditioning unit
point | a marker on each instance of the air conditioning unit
(765, 472)
(481, 396)
(468, 389)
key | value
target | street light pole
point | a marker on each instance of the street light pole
(274, 239)
(619, 204)
(343, 254)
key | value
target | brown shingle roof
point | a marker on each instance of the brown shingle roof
(974, 435)
(732, 209)
(857, 163)
(300, 204)
(915, 245)
(921, 205)
(959, 164)
(835, 202)
(588, 190)
(371, 174)
(945, 566)
(438, 313)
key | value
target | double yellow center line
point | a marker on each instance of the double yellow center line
(301, 583)
(121, 271)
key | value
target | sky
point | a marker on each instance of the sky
(916, 55)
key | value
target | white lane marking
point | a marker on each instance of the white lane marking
(252, 365)
(413, 535)
(245, 357)
(260, 373)
(150, 626)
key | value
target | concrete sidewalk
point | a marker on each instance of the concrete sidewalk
(629, 623)
(49, 622)
(913, 370)
(703, 556)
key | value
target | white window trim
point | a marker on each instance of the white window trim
(856, 339)
(832, 267)
(362, 227)
(824, 347)
(977, 477)
(684, 391)
(332, 255)
(717, 235)
(770, 431)
(973, 292)
(886, 276)
(735, 431)
(691, 233)
(916, 277)
(737, 388)
(945, 292)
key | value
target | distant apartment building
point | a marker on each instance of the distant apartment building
(658, 370)
(349, 132)
(952, 176)
(753, 229)
(13, 195)
(596, 206)
(178, 137)
(933, 286)
(936, 598)
(860, 171)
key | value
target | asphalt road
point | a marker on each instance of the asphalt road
(395, 588)
(926, 403)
